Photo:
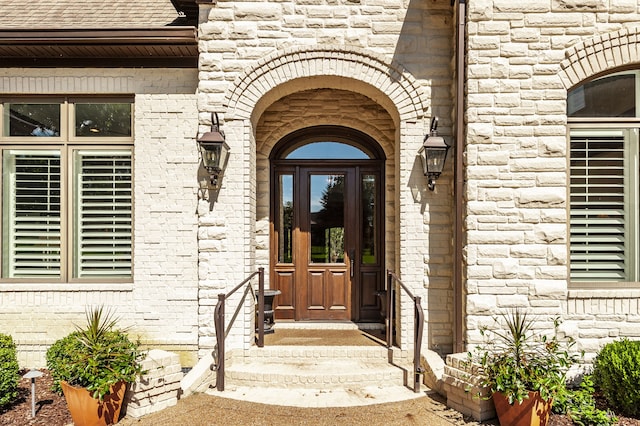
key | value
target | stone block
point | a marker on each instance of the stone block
(461, 383)
(159, 388)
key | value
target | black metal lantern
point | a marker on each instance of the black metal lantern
(433, 154)
(214, 151)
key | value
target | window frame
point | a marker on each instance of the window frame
(632, 181)
(67, 144)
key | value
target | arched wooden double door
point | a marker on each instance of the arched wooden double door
(326, 218)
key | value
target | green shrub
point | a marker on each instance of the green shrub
(616, 372)
(9, 371)
(64, 360)
(580, 405)
(95, 357)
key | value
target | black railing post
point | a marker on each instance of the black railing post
(260, 307)
(417, 342)
(220, 337)
(390, 313)
(418, 371)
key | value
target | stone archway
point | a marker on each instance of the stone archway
(373, 76)
(382, 81)
(600, 55)
(385, 81)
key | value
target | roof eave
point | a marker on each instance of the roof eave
(139, 36)
(147, 47)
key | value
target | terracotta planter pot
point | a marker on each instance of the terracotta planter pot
(533, 411)
(87, 411)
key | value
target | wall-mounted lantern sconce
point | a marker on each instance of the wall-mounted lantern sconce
(433, 154)
(214, 151)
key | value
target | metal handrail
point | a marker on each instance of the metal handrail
(218, 319)
(418, 327)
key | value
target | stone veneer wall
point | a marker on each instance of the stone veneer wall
(398, 55)
(522, 59)
(160, 304)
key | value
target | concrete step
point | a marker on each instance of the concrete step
(320, 398)
(324, 352)
(317, 367)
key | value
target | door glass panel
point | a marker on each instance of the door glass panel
(285, 219)
(326, 216)
(369, 201)
(326, 151)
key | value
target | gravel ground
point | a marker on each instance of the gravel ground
(201, 410)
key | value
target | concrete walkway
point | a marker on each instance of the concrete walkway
(319, 398)
(433, 414)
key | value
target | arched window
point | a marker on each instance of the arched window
(327, 143)
(327, 151)
(604, 156)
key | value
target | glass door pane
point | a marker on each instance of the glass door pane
(285, 219)
(368, 220)
(326, 216)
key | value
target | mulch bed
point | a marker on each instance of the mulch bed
(51, 408)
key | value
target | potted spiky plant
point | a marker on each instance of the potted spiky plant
(523, 369)
(92, 367)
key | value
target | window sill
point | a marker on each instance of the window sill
(12, 287)
(604, 293)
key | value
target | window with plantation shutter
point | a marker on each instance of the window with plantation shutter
(604, 122)
(599, 248)
(31, 214)
(66, 189)
(102, 222)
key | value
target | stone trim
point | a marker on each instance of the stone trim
(302, 62)
(599, 55)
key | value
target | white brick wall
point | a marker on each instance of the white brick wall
(161, 303)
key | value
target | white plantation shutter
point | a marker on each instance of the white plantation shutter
(599, 206)
(102, 219)
(31, 214)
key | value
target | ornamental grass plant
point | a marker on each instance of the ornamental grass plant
(520, 358)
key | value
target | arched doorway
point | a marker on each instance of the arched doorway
(327, 255)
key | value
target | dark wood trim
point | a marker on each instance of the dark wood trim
(176, 62)
(174, 47)
(141, 36)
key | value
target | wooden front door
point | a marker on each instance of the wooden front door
(326, 240)
(325, 244)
